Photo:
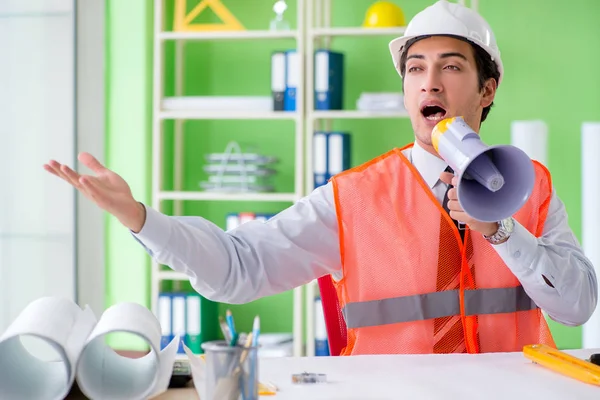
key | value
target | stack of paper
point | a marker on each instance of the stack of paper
(381, 102)
(218, 103)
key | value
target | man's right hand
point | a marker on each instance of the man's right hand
(107, 189)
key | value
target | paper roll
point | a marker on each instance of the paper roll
(590, 221)
(532, 138)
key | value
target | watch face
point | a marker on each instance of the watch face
(508, 224)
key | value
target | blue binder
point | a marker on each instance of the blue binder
(164, 315)
(320, 159)
(278, 59)
(329, 80)
(179, 317)
(338, 153)
(292, 78)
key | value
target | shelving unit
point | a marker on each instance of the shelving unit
(161, 36)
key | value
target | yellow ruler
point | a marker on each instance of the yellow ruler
(563, 363)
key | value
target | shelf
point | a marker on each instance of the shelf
(357, 31)
(218, 35)
(201, 114)
(356, 114)
(206, 196)
(171, 276)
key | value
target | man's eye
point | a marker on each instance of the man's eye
(453, 67)
(413, 69)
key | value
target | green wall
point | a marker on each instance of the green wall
(549, 76)
(128, 143)
(553, 77)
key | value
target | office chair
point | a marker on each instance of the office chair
(334, 320)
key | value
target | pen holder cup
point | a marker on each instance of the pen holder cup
(231, 371)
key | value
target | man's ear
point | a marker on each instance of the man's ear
(488, 92)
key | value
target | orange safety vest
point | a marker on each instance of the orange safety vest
(389, 225)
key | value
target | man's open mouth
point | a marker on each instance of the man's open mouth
(433, 112)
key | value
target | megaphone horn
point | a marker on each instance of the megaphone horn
(494, 182)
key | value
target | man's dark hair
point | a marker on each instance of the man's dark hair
(486, 67)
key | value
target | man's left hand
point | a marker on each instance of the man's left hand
(458, 214)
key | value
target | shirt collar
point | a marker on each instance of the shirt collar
(429, 166)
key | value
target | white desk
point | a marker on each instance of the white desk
(499, 376)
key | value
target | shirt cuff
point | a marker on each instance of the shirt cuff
(156, 232)
(519, 253)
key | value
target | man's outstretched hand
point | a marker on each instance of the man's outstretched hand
(108, 190)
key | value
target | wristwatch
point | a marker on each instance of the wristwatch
(505, 228)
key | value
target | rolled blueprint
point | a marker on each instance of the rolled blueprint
(532, 138)
(590, 216)
(80, 353)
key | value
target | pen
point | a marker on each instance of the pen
(255, 331)
(224, 329)
(230, 323)
(234, 340)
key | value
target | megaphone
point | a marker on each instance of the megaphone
(494, 182)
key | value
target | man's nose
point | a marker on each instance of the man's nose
(432, 82)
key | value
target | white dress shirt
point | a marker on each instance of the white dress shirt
(300, 244)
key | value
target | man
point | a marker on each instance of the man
(408, 279)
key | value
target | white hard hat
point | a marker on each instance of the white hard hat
(444, 18)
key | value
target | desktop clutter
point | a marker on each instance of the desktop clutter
(54, 347)
(228, 369)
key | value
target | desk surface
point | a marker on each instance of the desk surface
(455, 376)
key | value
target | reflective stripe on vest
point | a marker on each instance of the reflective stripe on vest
(436, 305)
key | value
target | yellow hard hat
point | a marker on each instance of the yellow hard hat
(384, 14)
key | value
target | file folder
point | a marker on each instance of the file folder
(246, 217)
(193, 325)
(321, 340)
(232, 221)
(179, 318)
(164, 316)
(339, 155)
(263, 217)
(320, 159)
(292, 79)
(329, 80)
(278, 83)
